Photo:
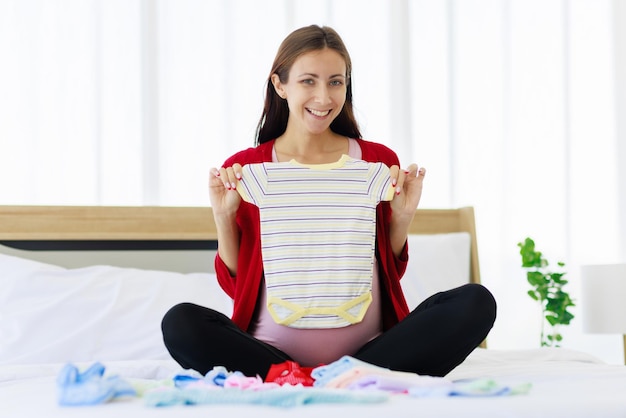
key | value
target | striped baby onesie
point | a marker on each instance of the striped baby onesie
(318, 227)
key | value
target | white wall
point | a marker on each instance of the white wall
(619, 28)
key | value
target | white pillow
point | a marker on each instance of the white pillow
(53, 314)
(436, 262)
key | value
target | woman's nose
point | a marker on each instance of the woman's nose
(322, 94)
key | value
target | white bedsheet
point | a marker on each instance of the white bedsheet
(565, 383)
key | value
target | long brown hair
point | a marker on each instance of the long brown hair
(273, 121)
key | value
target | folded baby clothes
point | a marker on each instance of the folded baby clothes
(398, 382)
(324, 374)
(470, 388)
(90, 387)
(290, 373)
(354, 374)
(219, 377)
(351, 373)
(284, 397)
(214, 377)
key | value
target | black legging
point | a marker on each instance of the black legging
(432, 340)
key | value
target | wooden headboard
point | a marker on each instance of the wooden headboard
(191, 227)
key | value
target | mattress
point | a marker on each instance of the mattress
(562, 383)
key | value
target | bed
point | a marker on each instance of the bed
(81, 285)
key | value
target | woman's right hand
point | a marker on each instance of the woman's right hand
(223, 193)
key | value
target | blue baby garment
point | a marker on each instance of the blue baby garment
(90, 387)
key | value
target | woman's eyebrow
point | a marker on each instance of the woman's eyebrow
(317, 76)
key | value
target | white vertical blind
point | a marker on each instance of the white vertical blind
(512, 106)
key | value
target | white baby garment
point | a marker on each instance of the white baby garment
(318, 230)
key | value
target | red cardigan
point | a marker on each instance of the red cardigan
(244, 287)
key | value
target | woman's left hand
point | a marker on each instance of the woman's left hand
(408, 184)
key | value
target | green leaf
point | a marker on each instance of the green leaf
(553, 320)
(536, 278)
(530, 257)
(567, 317)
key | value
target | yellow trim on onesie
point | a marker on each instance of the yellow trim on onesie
(299, 312)
(325, 166)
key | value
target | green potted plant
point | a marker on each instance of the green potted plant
(547, 289)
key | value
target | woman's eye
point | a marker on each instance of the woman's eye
(307, 81)
(336, 83)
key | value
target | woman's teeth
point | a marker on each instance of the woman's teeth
(318, 112)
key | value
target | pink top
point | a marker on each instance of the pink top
(320, 346)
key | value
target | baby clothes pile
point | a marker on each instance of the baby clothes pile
(346, 380)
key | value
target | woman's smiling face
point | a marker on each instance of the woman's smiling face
(315, 91)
